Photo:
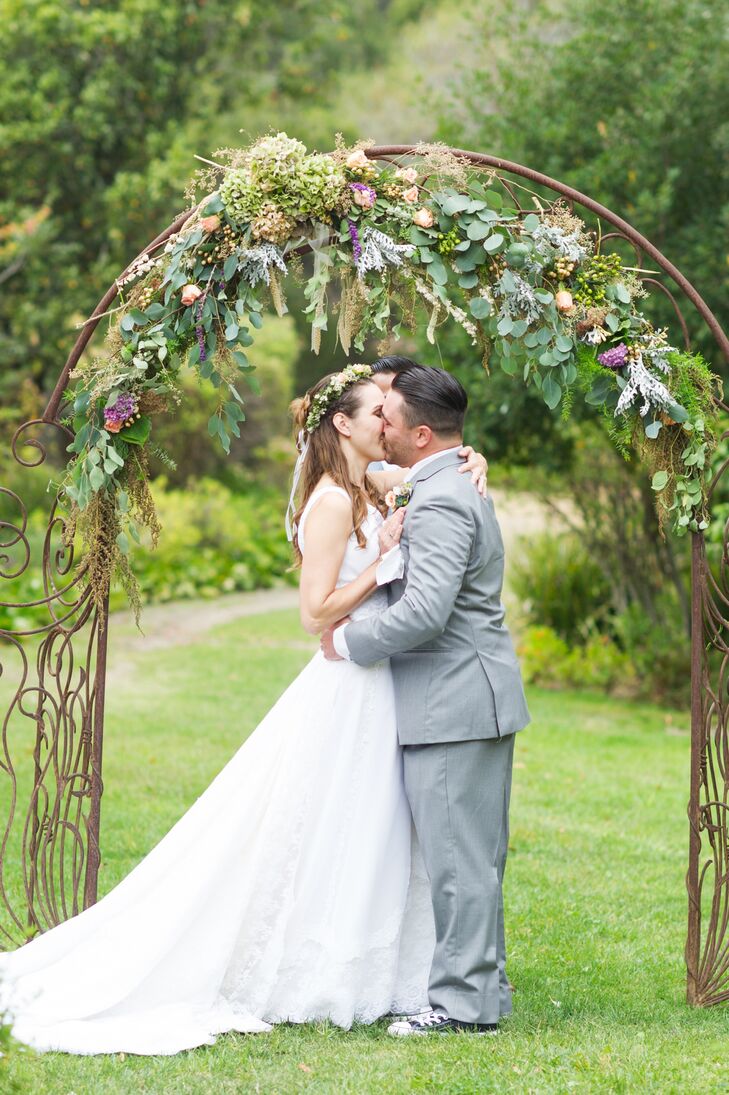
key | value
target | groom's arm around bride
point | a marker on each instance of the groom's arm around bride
(458, 690)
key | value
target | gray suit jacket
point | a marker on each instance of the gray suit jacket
(455, 671)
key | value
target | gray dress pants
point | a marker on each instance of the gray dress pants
(459, 796)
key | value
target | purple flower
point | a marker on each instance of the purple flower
(201, 343)
(615, 357)
(122, 409)
(354, 235)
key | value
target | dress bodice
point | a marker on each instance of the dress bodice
(356, 558)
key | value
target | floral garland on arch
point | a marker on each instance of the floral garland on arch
(535, 292)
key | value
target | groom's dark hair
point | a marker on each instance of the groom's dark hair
(395, 363)
(432, 397)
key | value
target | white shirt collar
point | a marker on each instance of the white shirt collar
(433, 456)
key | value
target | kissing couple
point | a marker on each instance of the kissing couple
(347, 862)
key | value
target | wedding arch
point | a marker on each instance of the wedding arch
(491, 245)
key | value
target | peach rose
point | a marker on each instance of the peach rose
(113, 427)
(390, 499)
(563, 300)
(424, 218)
(363, 198)
(210, 224)
(190, 293)
(411, 195)
(409, 174)
(356, 160)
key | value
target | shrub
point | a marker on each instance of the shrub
(213, 541)
(560, 585)
(549, 661)
(582, 635)
(661, 656)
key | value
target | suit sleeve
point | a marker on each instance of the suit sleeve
(441, 534)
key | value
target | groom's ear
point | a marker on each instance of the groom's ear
(423, 436)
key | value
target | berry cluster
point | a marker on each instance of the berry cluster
(563, 268)
(594, 277)
(496, 265)
(447, 241)
(225, 246)
(146, 295)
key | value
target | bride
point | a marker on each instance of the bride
(287, 892)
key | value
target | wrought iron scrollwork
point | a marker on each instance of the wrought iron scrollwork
(47, 775)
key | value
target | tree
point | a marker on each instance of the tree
(628, 105)
(103, 108)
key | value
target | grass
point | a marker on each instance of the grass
(596, 905)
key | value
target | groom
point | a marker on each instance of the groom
(459, 698)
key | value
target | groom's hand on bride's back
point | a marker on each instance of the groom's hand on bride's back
(327, 641)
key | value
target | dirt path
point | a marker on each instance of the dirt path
(183, 622)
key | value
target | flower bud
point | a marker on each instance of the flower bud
(563, 300)
(408, 174)
(210, 224)
(363, 198)
(424, 218)
(190, 293)
(356, 160)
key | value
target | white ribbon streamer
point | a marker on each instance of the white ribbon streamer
(303, 447)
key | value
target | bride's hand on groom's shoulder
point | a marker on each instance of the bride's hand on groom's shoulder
(391, 530)
(477, 464)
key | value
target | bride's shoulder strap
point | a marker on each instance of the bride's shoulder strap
(313, 497)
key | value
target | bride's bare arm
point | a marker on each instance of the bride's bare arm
(328, 527)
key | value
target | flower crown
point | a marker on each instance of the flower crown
(329, 395)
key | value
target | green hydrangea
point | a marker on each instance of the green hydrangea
(243, 200)
(279, 171)
(274, 161)
(315, 189)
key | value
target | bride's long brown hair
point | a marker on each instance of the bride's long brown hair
(325, 456)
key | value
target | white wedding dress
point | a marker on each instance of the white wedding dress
(287, 892)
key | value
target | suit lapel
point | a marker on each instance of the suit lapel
(448, 460)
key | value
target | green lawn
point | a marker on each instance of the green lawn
(596, 905)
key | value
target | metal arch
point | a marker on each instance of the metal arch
(45, 891)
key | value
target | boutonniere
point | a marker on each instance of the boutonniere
(399, 496)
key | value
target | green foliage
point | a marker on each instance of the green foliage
(264, 446)
(8, 1048)
(559, 585)
(215, 541)
(645, 136)
(105, 106)
(693, 385)
(598, 664)
(661, 656)
(580, 634)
